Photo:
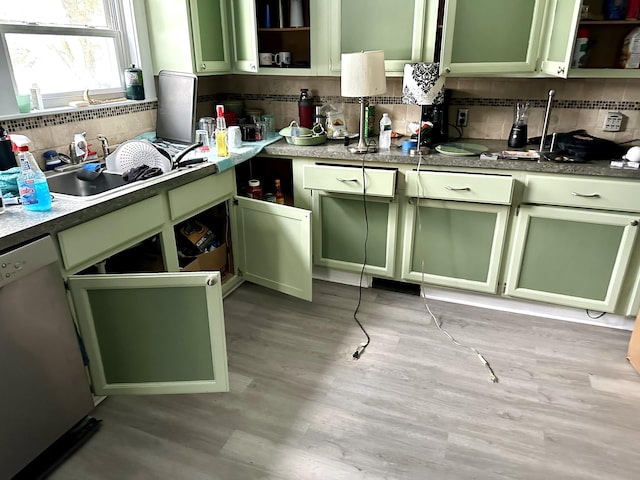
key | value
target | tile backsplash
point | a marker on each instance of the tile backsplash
(578, 103)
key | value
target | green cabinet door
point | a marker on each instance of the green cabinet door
(245, 40)
(397, 28)
(569, 256)
(209, 20)
(560, 32)
(152, 333)
(273, 246)
(343, 223)
(491, 36)
(189, 35)
(454, 244)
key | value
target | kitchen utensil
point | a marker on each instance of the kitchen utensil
(134, 153)
(282, 59)
(518, 133)
(304, 136)
(90, 171)
(234, 137)
(461, 149)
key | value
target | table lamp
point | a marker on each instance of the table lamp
(422, 85)
(363, 76)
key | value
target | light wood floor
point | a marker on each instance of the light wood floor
(415, 406)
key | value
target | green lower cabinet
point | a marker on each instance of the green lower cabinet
(454, 244)
(273, 246)
(342, 224)
(152, 333)
(571, 257)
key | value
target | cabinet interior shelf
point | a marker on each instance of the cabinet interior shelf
(285, 29)
(587, 22)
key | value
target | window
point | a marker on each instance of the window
(66, 47)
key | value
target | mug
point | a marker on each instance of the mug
(266, 59)
(283, 59)
(234, 137)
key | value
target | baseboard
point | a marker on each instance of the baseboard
(492, 302)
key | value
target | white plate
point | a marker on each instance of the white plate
(461, 149)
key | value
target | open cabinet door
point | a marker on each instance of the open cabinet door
(153, 333)
(274, 245)
(561, 26)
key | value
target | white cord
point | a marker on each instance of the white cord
(438, 324)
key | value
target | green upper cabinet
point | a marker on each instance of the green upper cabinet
(189, 35)
(245, 43)
(264, 26)
(604, 41)
(398, 28)
(560, 33)
(491, 36)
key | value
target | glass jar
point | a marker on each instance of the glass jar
(255, 190)
(269, 126)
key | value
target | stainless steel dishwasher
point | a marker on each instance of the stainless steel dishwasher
(45, 389)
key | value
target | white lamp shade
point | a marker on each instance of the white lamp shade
(422, 84)
(363, 74)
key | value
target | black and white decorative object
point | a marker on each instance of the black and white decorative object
(422, 84)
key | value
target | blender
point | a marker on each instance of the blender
(518, 134)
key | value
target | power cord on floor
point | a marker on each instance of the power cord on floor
(361, 348)
(438, 324)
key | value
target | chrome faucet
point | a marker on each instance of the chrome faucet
(545, 125)
(106, 148)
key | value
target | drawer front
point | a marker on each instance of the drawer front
(96, 239)
(605, 194)
(194, 197)
(378, 182)
(466, 187)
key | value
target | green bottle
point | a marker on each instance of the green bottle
(134, 88)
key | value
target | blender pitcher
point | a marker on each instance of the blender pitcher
(518, 134)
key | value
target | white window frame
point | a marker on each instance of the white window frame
(127, 26)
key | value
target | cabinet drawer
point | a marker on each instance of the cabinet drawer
(598, 193)
(196, 196)
(96, 239)
(466, 187)
(379, 182)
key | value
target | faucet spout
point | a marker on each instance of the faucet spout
(547, 114)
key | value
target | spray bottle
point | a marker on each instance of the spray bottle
(32, 183)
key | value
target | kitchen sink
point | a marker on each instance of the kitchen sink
(67, 183)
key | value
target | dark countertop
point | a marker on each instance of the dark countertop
(334, 149)
(19, 226)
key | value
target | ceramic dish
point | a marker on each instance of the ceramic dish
(461, 149)
(302, 136)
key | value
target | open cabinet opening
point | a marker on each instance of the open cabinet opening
(204, 242)
(144, 257)
(267, 171)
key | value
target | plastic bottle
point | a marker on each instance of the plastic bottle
(305, 109)
(134, 87)
(279, 194)
(580, 50)
(32, 183)
(36, 97)
(221, 132)
(384, 142)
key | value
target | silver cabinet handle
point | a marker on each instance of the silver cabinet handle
(458, 189)
(345, 180)
(586, 195)
(203, 66)
(634, 223)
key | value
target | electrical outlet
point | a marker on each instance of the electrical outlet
(613, 122)
(463, 117)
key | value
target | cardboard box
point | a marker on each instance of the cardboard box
(215, 260)
(634, 346)
(198, 234)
